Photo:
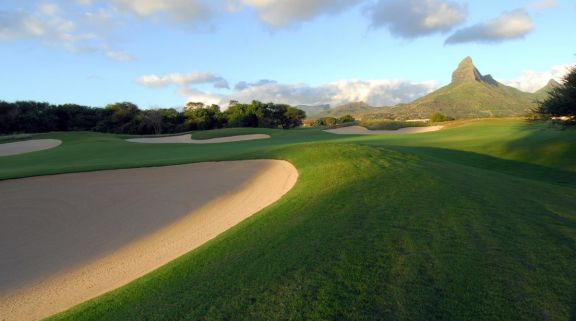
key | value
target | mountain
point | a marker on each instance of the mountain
(353, 109)
(469, 95)
(543, 92)
(313, 110)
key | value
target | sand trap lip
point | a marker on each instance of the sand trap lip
(187, 139)
(62, 237)
(27, 146)
(359, 130)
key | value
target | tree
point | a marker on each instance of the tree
(120, 118)
(193, 105)
(439, 117)
(561, 101)
(346, 119)
(292, 117)
(204, 117)
(153, 118)
(9, 114)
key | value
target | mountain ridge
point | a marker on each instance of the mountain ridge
(469, 95)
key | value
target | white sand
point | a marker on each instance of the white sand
(187, 139)
(67, 238)
(359, 130)
(27, 146)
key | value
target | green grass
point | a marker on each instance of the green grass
(476, 222)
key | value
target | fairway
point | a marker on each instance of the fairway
(472, 222)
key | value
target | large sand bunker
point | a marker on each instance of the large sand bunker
(359, 130)
(67, 238)
(187, 139)
(27, 146)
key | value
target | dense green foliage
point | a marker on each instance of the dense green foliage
(332, 121)
(475, 222)
(387, 124)
(439, 117)
(127, 118)
(561, 101)
(268, 115)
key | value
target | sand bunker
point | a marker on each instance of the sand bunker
(359, 130)
(187, 139)
(27, 146)
(67, 238)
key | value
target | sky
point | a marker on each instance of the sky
(164, 53)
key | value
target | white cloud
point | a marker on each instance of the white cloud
(120, 56)
(183, 80)
(282, 13)
(295, 94)
(510, 25)
(185, 11)
(531, 81)
(194, 95)
(379, 92)
(543, 4)
(49, 25)
(416, 18)
(374, 92)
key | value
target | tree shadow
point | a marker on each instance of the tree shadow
(505, 166)
(546, 143)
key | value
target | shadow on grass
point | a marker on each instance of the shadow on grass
(509, 167)
(546, 143)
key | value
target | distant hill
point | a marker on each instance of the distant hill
(470, 94)
(313, 110)
(544, 91)
(353, 109)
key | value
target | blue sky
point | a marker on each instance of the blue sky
(164, 53)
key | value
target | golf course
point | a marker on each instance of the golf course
(473, 220)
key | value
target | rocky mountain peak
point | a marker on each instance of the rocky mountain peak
(552, 84)
(466, 71)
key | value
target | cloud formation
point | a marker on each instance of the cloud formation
(374, 92)
(282, 13)
(178, 79)
(188, 11)
(509, 25)
(49, 25)
(416, 18)
(543, 4)
(531, 81)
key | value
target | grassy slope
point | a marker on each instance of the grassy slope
(352, 109)
(469, 99)
(472, 223)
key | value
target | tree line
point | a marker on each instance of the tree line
(127, 118)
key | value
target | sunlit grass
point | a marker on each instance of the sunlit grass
(476, 222)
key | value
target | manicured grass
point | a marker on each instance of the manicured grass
(472, 223)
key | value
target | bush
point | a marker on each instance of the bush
(439, 117)
(346, 119)
(387, 124)
(333, 122)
